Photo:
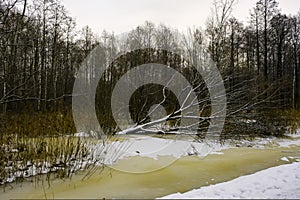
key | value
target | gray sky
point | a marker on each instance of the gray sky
(123, 15)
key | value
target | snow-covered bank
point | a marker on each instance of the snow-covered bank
(152, 147)
(281, 182)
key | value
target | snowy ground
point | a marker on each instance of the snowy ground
(281, 182)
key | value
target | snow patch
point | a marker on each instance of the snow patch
(285, 159)
(217, 153)
(293, 135)
(288, 143)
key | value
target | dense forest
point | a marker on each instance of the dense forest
(42, 50)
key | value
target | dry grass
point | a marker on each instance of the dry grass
(23, 157)
(38, 143)
(38, 124)
(292, 118)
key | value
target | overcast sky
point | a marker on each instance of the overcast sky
(124, 15)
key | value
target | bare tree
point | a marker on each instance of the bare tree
(217, 27)
(296, 52)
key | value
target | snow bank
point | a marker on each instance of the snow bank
(148, 146)
(152, 147)
(288, 143)
(276, 182)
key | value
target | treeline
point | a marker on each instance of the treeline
(41, 51)
(40, 54)
(267, 47)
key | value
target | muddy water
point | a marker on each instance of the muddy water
(183, 175)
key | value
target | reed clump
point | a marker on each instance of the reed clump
(33, 144)
(22, 157)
